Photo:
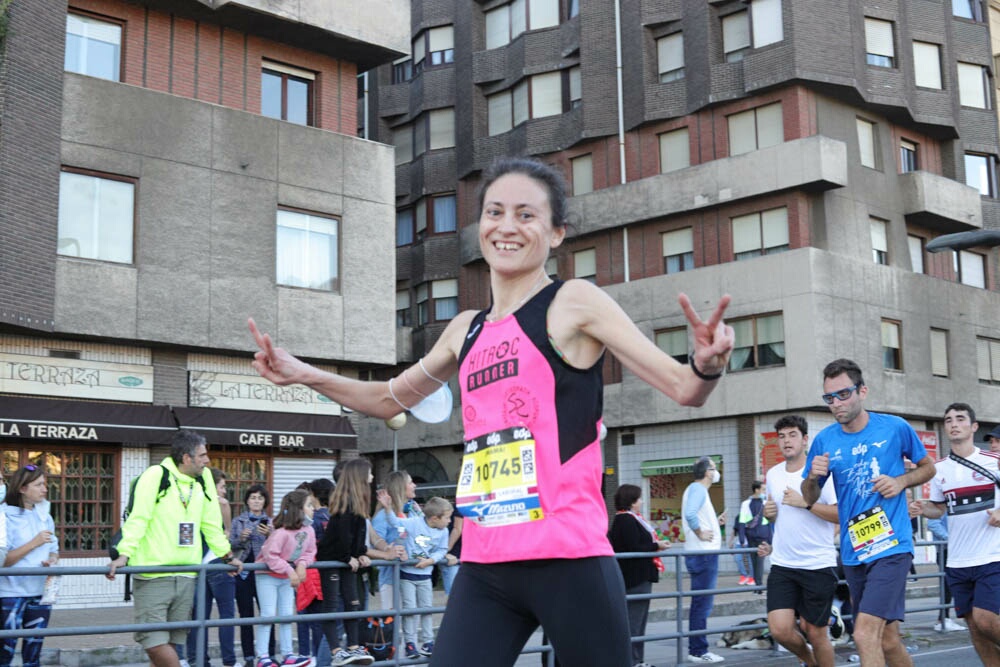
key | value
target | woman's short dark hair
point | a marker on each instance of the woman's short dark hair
(626, 495)
(321, 488)
(546, 175)
(22, 477)
(257, 488)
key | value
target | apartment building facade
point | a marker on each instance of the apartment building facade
(796, 154)
(168, 169)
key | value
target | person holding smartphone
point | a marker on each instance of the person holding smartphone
(247, 535)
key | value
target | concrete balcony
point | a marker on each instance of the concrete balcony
(940, 203)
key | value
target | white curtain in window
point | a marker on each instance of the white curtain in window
(678, 242)
(774, 226)
(498, 27)
(675, 150)
(743, 344)
(770, 125)
(742, 132)
(971, 86)
(544, 14)
(546, 94)
(520, 103)
(670, 52)
(973, 268)
(674, 342)
(442, 122)
(735, 32)
(96, 218)
(767, 24)
(498, 112)
(927, 64)
(746, 233)
(518, 18)
(890, 334)
(583, 174)
(585, 263)
(866, 142)
(878, 232)
(878, 38)
(916, 253)
(402, 139)
(939, 352)
(445, 218)
(306, 250)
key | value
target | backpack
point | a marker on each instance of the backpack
(161, 491)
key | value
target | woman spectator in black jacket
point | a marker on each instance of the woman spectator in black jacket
(631, 533)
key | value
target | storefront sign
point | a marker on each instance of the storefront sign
(770, 452)
(251, 392)
(75, 378)
(930, 442)
(84, 421)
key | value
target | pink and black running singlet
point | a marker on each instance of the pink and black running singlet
(530, 482)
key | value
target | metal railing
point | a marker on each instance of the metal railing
(203, 624)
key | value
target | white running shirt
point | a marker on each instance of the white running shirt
(802, 540)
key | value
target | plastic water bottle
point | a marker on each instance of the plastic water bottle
(51, 591)
(400, 536)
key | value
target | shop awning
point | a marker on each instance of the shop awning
(281, 430)
(82, 421)
(679, 466)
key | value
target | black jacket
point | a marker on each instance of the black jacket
(345, 537)
(629, 536)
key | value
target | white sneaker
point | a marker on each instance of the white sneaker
(705, 658)
(949, 626)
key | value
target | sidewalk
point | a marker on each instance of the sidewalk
(110, 648)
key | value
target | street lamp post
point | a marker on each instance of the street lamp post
(394, 424)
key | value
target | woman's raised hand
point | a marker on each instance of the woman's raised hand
(713, 340)
(275, 363)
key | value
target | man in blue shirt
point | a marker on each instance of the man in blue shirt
(865, 451)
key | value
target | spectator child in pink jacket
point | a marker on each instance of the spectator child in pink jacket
(289, 549)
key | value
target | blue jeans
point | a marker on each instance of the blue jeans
(277, 598)
(703, 570)
(221, 587)
(448, 574)
(20, 614)
(743, 564)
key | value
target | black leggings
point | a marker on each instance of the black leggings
(494, 608)
(340, 583)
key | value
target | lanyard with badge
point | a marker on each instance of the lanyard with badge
(185, 529)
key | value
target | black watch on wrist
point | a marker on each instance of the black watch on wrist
(809, 508)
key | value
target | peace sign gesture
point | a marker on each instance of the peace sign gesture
(713, 340)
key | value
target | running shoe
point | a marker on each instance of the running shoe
(265, 661)
(427, 648)
(296, 660)
(705, 658)
(411, 650)
(360, 656)
(340, 657)
(948, 626)
(836, 623)
(743, 581)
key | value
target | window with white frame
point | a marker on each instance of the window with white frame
(93, 47)
(759, 342)
(892, 347)
(880, 50)
(763, 233)
(973, 86)
(967, 9)
(980, 173)
(880, 241)
(404, 227)
(970, 267)
(583, 174)
(575, 87)
(867, 143)
(404, 317)
(433, 48)
(916, 245)
(308, 250)
(907, 156)
(678, 250)
(766, 22)
(585, 265)
(674, 342)
(755, 129)
(445, 295)
(506, 22)
(988, 360)
(939, 352)
(96, 216)
(670, 57)
(675, 150)
(927, 64)
(735, 36)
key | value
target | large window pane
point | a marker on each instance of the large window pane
(585, 264)
(746, 235)
(498, 27)
(543, 14)
(93, 47)
(742, 132)
(866, 143)
(927, 64)
(445, 294)
(96, 217)
(307, 251)
(518, 18)
(767, 23)
(979, 173)
(520, 103)
(770, 126)
(880, 241)
(972, 268)
(916, 245)
(270, 94)
(939, 352)
(404, 227)
(546, 95)
(498, 111)
(735, 36)
(583, 174)
(402, 139)
(670, 57)
(445, 219)
(674, 342)
(879, 44)
(972, 85)
(675, 150)
(442, 123)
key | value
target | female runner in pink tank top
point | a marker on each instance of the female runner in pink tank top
(535, 550)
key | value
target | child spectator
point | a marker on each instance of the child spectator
(289, 549)
(427, 543)
(309, 597)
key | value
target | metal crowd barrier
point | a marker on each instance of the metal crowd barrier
(203, 624)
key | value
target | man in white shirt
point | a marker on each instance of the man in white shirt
(965, 485)
(803, 575)
(702, 533)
